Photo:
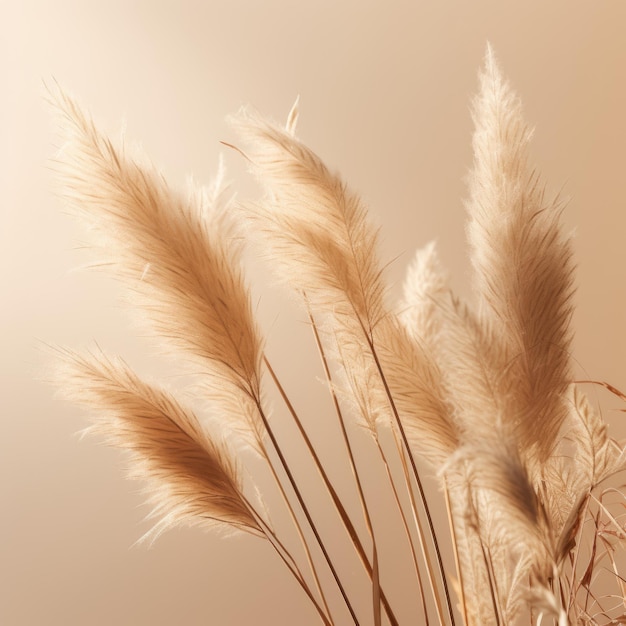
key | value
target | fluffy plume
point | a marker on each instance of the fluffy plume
(191, 478)
(318, 230)
(586, 456)
(505, 529)
(416, 385)
(478, 603)
(320, 241)
(522, 266)
(479, 391)
(178, 254)
(425, 285)
(598, 455)
(494, 467)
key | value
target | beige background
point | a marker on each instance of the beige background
(385, 90)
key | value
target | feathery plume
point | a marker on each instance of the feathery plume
(180, 256)
(425, 285)
(522, 266)
(507, 525)
(317, 229)
(598, 455)
(585, 457)
(479, 392)
(192, 479)
(320, 241)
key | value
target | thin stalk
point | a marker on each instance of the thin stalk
(305, 509)
(495, 585)
(349, 526)
(572, 591)
(298, 527)
(394, 490)
(455, 548)
(288, 560)
(415, 472)
(492, 584)
(621, 534)
(368, 337)
(593, 556)
(496, 609)
(420, 533)
(406, 530)
(376, 592)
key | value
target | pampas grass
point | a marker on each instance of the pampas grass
(478, 393)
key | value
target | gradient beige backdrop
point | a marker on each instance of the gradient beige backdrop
(385, 90)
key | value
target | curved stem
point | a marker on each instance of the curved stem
(305, 509)
(349, 526)
(415, 472)
(298, 527)
(573, 590)
(406, 530)
(376, 590)
(455, 548)
(288, 560)
(420, 530)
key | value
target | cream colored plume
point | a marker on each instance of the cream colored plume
(482, 391)
(317, 236)
(179, 254)
(425, 286)
(522, 266)
(191, 478)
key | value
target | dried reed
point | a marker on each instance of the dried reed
(481, 392)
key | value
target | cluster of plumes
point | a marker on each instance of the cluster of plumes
(480, 391)
(531, 449)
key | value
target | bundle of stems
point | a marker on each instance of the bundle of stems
(479, 393)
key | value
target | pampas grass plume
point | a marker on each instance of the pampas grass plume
(478, 392)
